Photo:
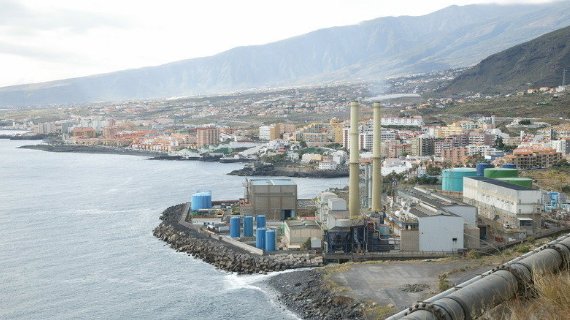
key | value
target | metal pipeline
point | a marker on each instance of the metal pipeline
(479, 294)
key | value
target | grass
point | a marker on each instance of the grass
(550, 179)
(443, 283)
(376, 311)
(552, 301)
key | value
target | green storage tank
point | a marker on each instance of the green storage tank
(495, 173)
(452, 179)
(523, 182)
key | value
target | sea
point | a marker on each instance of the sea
(76, 239)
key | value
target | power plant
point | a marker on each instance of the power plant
(360, 231)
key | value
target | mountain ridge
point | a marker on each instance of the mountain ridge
(536, 63)
(456, 36)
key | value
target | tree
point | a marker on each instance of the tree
(499, 144)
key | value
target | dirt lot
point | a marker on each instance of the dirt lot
(394, 282)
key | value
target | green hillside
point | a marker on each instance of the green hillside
(539, 62)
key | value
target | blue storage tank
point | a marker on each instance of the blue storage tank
(270, 240)
(452, 179)
(509, 166)
(234, 227)
(248, 226)
(201, 200)
(260, 219)
(481, 166)
(260, 238)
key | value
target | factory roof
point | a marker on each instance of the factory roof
(434, 200)
(272, 182)
(421, 212)
(302, 224)
(501, 183)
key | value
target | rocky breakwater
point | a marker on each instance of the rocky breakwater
(209, 248)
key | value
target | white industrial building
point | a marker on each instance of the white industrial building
(330, 208)
(511, 205)
(439, 230)
(430, 222)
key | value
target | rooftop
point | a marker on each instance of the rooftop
(501, 183)
(272, 182)
(421, 212)
(302, 224)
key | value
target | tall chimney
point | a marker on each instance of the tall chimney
(376, 160)
(354, 164)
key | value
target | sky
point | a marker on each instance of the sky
(48, 40)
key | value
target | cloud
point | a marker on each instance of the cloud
(16, 15)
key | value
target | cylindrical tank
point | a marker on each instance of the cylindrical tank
(270, 240)
(260, 220)
(452, 179)
(509, 166)
(234, 227)
(495, 173)
(481, 166)
(248, 226)
(201, 200)
(260, 238)
(519, 181)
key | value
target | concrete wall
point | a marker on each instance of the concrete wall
(298, 236)
(472, 240)
(437, 233)
(509, 200)
(468, 213)
(502, 204)
(272, 199)
(409, 240)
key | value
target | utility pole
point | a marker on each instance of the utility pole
(564, 77)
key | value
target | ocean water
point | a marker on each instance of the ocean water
(76, 240)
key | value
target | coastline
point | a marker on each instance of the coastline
(190, 239)
(292, 172)
(89, 149)
(304, 291)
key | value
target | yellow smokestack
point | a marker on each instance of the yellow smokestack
(354, 164)
(376, 160)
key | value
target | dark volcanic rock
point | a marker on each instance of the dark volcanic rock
(305, 293)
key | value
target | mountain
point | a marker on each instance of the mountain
(389, 46)
(536, 63)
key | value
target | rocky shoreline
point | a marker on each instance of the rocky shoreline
(89, 149)
(222, 255)
(293, 172)
(304, 292)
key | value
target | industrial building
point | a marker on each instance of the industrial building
(274, 198)
(510, 205)
(431, 222)
(298, 232)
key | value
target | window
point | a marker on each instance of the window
(454, 240)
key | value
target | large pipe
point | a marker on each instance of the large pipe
(354, 164)
(376, 160)
(473, 297)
